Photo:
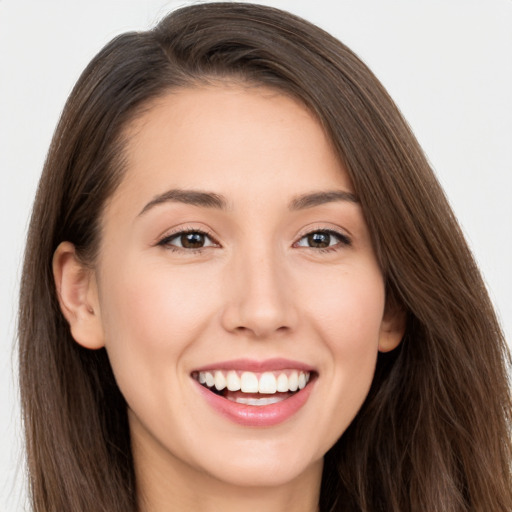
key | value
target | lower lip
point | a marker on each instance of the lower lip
(258, 415)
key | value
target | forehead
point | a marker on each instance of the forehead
(229, 138)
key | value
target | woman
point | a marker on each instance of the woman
(244, 289)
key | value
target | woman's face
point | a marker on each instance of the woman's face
(235, 253)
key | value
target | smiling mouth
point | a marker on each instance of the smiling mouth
(254, 388)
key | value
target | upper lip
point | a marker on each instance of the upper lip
(251, 365)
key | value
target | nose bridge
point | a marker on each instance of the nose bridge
(259, 301)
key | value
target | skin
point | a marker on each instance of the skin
(257, 290)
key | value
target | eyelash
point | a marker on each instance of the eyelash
(166, 241)
(343, 240)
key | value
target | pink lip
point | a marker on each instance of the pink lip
(250, 365)
(254, 415)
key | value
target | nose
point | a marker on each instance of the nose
(259, 299)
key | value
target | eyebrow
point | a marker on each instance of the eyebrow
(318, 198)
(217, 201)
(193, 197)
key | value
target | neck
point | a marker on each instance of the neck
(215, 497)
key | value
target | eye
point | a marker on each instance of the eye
(193, 239)
(323, 239)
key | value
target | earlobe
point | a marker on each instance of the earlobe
(392, 329)
(78, 296)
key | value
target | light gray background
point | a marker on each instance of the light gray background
(447, 64)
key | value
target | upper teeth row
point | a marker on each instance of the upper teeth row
(249, 382)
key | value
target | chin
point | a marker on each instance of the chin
(263, 464)
(264, 473)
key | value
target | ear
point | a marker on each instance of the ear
(392, 329)
(78, 296)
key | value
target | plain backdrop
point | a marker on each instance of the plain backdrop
(447, 64)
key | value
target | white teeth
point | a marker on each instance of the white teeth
(302, 381)
(293, 381)
(220, 381)
(267, 383)
(210, 381)
(257, 401)
(233, 381)
(282, 383)
(249, 382)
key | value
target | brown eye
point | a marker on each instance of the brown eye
(192, 240)
(188, 240)
(323, 239)
(319, 240)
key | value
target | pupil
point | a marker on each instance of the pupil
(319, 240)
(192, 240)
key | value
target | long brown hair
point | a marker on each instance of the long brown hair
(434, 431)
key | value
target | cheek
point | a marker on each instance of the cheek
(155, 303)
(349, 309)
(348, 314)
(150, 316)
